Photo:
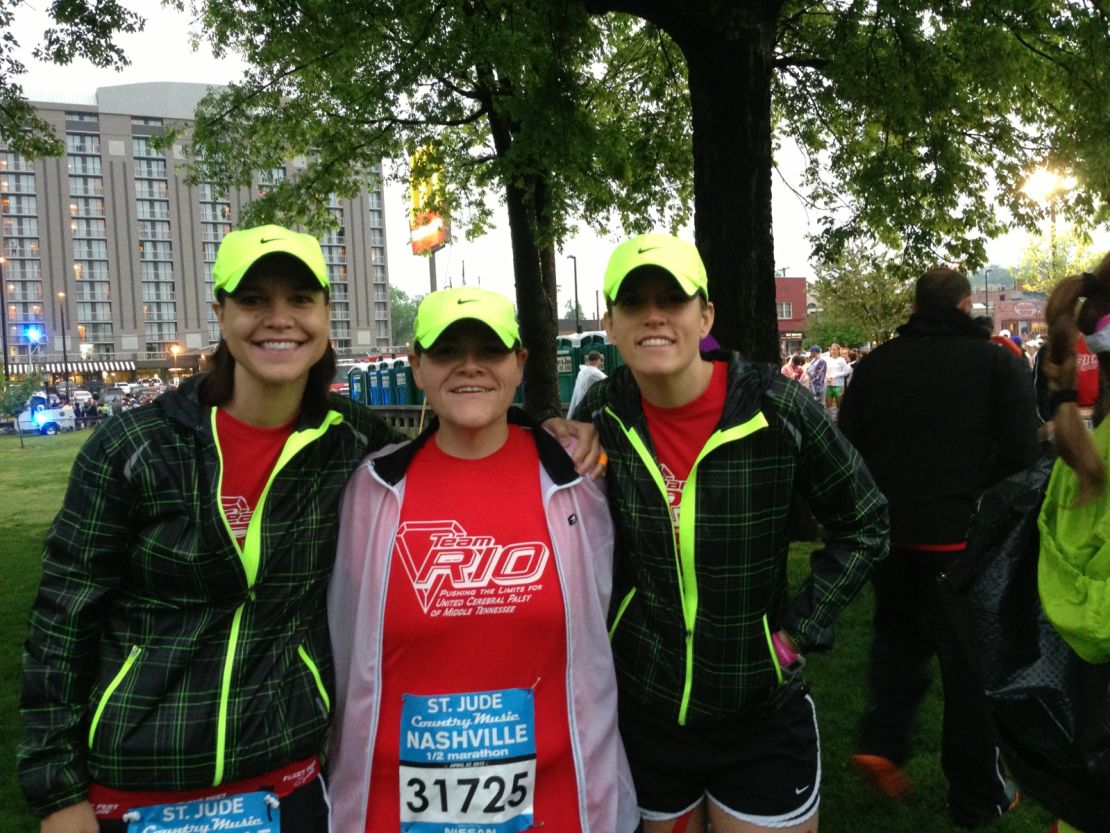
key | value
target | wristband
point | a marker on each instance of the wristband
(786, 657)
(1057, 398)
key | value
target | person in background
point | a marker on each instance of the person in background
(1087, 378)
(456, 606)
(939, 414)
(836, 378)
(588, 374)
(793, 368)
(1072, 577)
(816, 370)
(853, 360)
(706, 453)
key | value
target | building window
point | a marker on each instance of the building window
(85, 165)
(142, 147)
(17, 184)
(86, 207)
(83, 143)
(784, 310)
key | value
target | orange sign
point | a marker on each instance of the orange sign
(429, 230)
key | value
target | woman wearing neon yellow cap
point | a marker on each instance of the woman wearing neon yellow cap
(474, 681)
(706, 451)
(178, 651)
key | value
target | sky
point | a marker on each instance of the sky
(162, 53)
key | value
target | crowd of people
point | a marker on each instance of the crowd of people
(261, 605)
(825, 374)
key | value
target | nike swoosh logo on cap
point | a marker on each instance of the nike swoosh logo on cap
(466, 300)
(648, 249)
(265, 240)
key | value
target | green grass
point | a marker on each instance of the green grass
(32, 482)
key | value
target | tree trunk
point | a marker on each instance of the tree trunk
(729, 49)
(534, 268)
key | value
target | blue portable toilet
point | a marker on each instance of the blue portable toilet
(398, 381)
(387, 386)
(374, 381)
(356, 384)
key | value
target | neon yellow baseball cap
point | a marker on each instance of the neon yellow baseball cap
(239, 250)
(439, 310)
(676, 256)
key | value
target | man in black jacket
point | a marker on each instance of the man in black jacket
(939, 414)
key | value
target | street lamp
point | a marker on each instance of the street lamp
(577, 322)
(1045, 187)
(65, 357)
(986, 291)
(3, 319)
(175, 349)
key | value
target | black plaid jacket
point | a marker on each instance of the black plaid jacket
(153, 662)
(691, 628)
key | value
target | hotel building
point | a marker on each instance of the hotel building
(106, 253)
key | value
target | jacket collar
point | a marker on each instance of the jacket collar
(747, 381)
(945, 321)
(391, 467)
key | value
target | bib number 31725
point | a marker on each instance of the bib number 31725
(469, 760)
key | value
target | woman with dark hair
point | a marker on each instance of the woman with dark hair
(178, 666)
(1073, 569)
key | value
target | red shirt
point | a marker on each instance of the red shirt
(249, 456)
(474, 660)
(1086, 375)
(679, 434)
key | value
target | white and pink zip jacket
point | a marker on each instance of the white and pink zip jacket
(356, 603)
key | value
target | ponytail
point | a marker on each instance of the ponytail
(1067, 319)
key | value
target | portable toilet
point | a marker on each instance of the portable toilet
(356, 385)
(566, 370)
(398, 381)
(374, 383)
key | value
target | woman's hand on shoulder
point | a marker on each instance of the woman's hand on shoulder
(581, 441)
(76, 818)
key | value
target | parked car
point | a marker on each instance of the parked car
(80, 397)
(112, 397)
(41, 417)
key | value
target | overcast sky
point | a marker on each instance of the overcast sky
(162, 53)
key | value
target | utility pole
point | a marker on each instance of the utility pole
(986, 291)
(3, 320)
(577, 321)
(65, 357)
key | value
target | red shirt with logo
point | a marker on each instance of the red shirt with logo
(249, 456)
(679, 434)
(474, 604)
(1086, 375)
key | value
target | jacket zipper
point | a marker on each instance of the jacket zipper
(771, 648)
(132, 658)
(250, 555)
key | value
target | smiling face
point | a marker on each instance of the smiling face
(469, 379)
(657, 328)
(276, 328)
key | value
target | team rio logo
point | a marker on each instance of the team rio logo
(440, 555)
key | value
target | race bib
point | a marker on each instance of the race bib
(468, 762)
(244, 813)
